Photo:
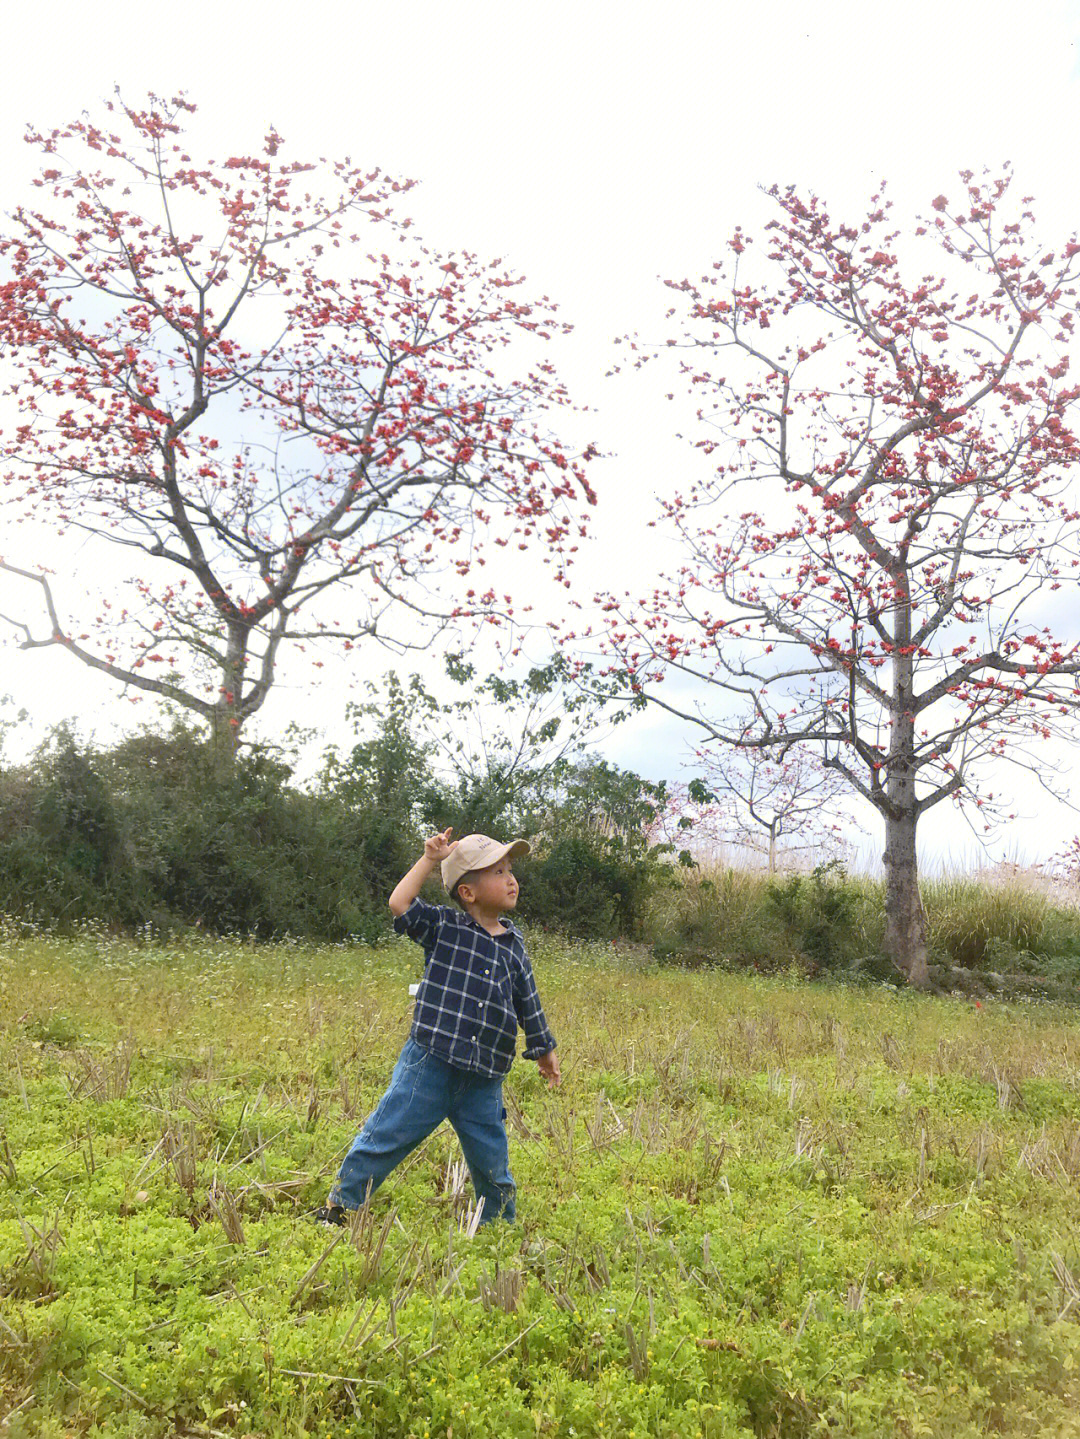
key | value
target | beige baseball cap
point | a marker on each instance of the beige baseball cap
(478, 851)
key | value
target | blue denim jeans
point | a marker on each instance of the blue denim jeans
(424, 1090)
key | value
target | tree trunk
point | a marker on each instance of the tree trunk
(905, 917)
(224, 740)
(228, 715)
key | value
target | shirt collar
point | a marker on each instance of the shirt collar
(507, 924)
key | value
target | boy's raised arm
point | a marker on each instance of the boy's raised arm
(436, 848)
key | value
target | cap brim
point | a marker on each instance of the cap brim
(514, 850)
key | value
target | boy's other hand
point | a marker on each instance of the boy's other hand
(548, 1065)
(438, 846)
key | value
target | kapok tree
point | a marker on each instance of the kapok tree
(875, 561)
(782, 805)
(252, 379)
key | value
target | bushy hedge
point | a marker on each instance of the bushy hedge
(592, 887)
(156, 832)
(152, 832)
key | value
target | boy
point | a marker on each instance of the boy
(477, 988)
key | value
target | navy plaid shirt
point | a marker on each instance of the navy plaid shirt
(477, 988)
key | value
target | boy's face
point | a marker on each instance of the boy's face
(495, 889)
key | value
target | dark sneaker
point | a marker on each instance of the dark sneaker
(330, 1214)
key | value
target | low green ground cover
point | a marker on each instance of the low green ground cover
(755, 1207)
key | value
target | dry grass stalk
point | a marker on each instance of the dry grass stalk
(856, 1295)
(804, 1136)
(363, 1324)
(224, 1205)
(367, 1245)
(181, 1152)
(890, 1050)
(35, 1269)
(7, 1161)
(311, 1272)
(517, 1119)
(451, 1184)
(504, 1292)
(639, 1354)
(1069, 1286)
(516, 1340)
(100, 1079)
(470, 1222)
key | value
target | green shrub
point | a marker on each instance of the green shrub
(242, 851)
(61, 838)
(827, 919)
(155, 832)
(823, 914)
(591, 886)
(57, 1029)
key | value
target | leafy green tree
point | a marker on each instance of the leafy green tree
(501, 772)
(384, 783)
(509, 756)
(597, 866)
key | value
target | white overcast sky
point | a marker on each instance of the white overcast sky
(594, 146)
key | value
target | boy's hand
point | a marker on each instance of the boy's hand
(548, 1065)
(439, 846)
(436, 848)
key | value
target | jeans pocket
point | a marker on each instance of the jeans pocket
(413, 1055)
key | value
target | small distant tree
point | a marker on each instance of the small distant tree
(247, 374)
(685, 815)
(1066, 863)
(875, 562)
(783, 806)
(595, 796)
(385, 779)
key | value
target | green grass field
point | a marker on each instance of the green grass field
(755, 1207)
